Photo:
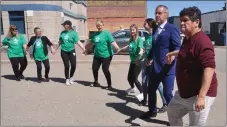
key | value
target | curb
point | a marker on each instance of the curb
(221, 47)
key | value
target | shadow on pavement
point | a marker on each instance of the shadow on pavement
(121, 94)
(85, 83)
(59, 80)
(34, 79)
(133, 114)
(9, 77)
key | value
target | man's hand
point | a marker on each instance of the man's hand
(148, 62)
(169, 58)
(200, 104)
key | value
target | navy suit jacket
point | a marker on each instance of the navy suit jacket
(167, 41)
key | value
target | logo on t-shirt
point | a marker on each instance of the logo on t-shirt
(66, 37)
(130, 47)
(97, 39)
(38, 44)
(15, 41)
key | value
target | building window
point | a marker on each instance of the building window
(17, 18)
(2, 32)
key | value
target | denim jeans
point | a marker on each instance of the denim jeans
(146, 70)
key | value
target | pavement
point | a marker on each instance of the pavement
(28, 103)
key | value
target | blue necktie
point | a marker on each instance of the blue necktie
(157, 32)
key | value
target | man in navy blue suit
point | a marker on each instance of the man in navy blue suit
(166, 38)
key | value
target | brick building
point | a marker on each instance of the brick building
(116, 14)
(48, 15)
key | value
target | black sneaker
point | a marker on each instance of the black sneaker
(47, 79)
(109, 87)
(148, 115)
(95, 84)
(162, 109)
(18, 79)
(143, 103)
(22, 77)
(40, 80)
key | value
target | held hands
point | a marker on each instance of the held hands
(119, 50)
(137, 62)
(169, 58)
(31, 56)
(53, 51)
(148, 62)
(85, 52)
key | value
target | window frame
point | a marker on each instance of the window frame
(19, 17)
(2, 29)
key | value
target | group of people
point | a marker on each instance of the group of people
(161, 58)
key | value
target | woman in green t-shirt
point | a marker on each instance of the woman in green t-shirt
(67, 41)
(16, 51)
(136, 52)
(102, 41)
(39, 51)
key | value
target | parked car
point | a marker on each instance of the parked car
(122, 38)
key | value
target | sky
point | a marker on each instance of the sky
(176, 6)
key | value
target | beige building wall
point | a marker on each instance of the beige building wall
(32, 2)
(80, 24)
(50, 21)
(50, 28)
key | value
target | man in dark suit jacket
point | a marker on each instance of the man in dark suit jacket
(166, 38)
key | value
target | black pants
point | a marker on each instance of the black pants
(105, 68)
(39, 68)
(15, 65)
(133, 73)
(69, 57)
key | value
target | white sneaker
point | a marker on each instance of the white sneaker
(71, 81)
(140, 96)
(131, 90)
(67, 82)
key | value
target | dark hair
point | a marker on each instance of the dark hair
(36, 28)
(193, 13)
(151, 21)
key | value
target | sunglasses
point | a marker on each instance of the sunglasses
(14, 29)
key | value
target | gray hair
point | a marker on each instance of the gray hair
(164, 7)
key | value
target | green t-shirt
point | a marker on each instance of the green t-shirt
(39, 50)
(102, 41)
(134, 48)
(68, 39)
(147, 45)
(15, 46)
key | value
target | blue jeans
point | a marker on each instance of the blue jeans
(145, 79)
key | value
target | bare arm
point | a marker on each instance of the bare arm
(25, 48)
(124, 47)
(58, 45)
(206, 81)
(81, 45)
(114, 44)
(174, 53)
(140, 54)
